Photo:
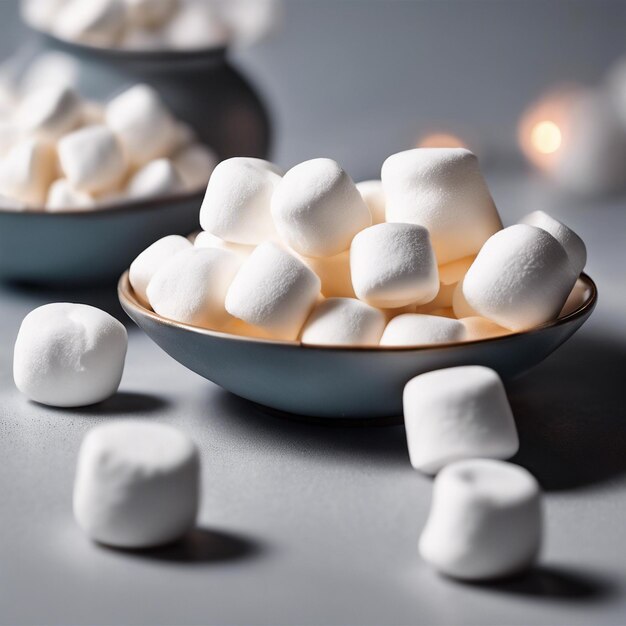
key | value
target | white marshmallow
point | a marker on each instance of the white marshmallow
(27, 171)
(143, 39)
(137, 484)
(484, 522)
(149, 13)
(452, 273)
(481, 328)
(207, 240)
(157, 178)
(92, 159)
(317, 208)
(196, 25)
(393, 265)
(50, 112)
(250, 20)
(457, 413)
(190, 286)
(145, 266)
(51, 69)
(195, 164)
(334, 272)
(236, 206)
(573, 244)
(10, 135)
(577, 297)
(69, 355)
(460, 305)
(443, 190)
(40, 14)
(520, 279)
(273, 290)
(144, 126)
(96, 23)
(61, 195)
(374, 196)
(414, 329)
(345, 322)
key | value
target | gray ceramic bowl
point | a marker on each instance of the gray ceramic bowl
(338, 381)
(88, 246)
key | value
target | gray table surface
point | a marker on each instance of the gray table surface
(312, 524)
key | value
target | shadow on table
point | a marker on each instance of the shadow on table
(571, 414)
(123, 402)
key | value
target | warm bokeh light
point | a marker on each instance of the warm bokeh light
(546, 137)
(441, 140)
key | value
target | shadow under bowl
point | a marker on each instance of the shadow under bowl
(75, 247)
(341, 382)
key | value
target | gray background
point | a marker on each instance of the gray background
(311, 524)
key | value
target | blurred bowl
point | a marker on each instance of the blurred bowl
(75, 247)
(332, 382)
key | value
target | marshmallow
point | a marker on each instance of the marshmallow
(145, 128)
(443, 299)
(334, 272)
(273, 290)
(137, 484)
(96, 23)
(51, 69)
(26, 171)
(443, 190)
(207, 240)
(9, 136)
(236, 206)
(40, 14)
(457, 413)
(460, 305)
(143, 39)
(250, 20)
(317, 209)
(195, 164)
(481, 328)
(573, 244)
(69, 355)
(577, 297)
(374, 196)
(157, 178)
(190, 286)
(61, 195)
(92, 113)
(484, 522)
(520, 279)
(414, 329)
(50, 112)
(145, 266)
(445, 311)
(452, 273)
(149, 13)
(195, 26)
(393, 265)
(345, 322)
(92, 159)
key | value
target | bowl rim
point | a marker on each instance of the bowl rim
(128, 300)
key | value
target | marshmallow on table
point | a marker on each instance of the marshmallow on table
(145, 266)
(27, 170)
(137, 484)
(236, 206)
(92, 159)
(485, 520)
(457, 413)
(344, 321)
(317, 209)
(521, 278)
(149, 13)
(157, 178)
(50, 112)
(208, 240)
(573, 244)
(195, 164)
(443, 190)
(393, 265)
(334, 272)
(61, 195)
(190, 286)
(97, 22)
(273, 290)
(69, 355)
(481, 328)
(144, 126)
(194, 26)
(374, 196)
(414, 329)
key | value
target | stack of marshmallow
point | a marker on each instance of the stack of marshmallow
(59, 151)
(418, 257)
(153, 24)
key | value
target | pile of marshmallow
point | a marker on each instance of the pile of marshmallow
(59, 151)
(153, 24)
(419, 257)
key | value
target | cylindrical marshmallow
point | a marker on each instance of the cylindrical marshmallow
(195, 163)
(481, 328)
(393, 265)
(457, 413)
(96, 23)
(345, 322)
(374, 196)
(207, 240)
(61, 196)
(485, 520)
(137, 484)
(149, 13)
(414, 329)
(521, 278)
(443, 190)
(273, 290)
(334, 272)
(194, 26)
(317, 209)
(69, 355)
(157, 178)
(452, 273)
